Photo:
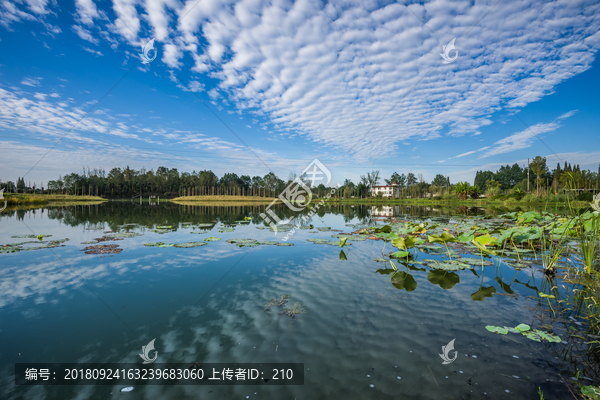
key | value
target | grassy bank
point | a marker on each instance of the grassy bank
(39, 199)
(456, 201)
(244, 199)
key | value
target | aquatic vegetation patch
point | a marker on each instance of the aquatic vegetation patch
(103, 249)
(106, 239)
(297, 308)
(226, 230)
(276, 302)
(154, 244)
(268, 242)
(125, 235)
(447, 265)
(592, 392)
(212, 239)
(474, 261)
(30, 236)
(188, 245)
(524, 329)
(324, 228)
(201, 232)
(241, 241)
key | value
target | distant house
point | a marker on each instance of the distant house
(386, 191)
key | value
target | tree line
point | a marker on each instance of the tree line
(169, 182)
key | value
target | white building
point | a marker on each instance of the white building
(386, 191)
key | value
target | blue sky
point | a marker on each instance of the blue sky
(358, 85)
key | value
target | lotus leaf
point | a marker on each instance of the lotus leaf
(283, 244)
(153, 244)
(383, 229)
(343, 256)
(324, 228)
(343, 242)
(400, 254)
(474, 261)
(405, 243)
(212, 239)
(380, 259)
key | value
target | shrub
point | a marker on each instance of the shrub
(585, 196)
(530, 198)
(492, 192)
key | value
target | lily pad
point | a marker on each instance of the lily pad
(324, 228)
(155, 244)
(283, 244)
(497, 329)
(268, 242)
(190, 244)
(212, 239)
(241, 241)
(447, 265)
(592, 392)
(522, 328)
(473, 261)
(103, 249)
(380, 259)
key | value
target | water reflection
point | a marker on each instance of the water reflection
(206, 304)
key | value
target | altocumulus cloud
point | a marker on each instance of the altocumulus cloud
(332, 70)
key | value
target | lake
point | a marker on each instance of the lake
(359, 333)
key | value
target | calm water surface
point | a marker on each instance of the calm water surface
(360, 338)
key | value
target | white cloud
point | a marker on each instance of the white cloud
(95, 52)
(84, 34)
(87, 11)
(520, 140)
(31, 81)
(40, 96)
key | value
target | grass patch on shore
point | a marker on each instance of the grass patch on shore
(33, 199)
(239, 199)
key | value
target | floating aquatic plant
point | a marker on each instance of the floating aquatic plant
(212, 239)
(187, 245)
(297, 308)
(103, 249)
(276, 302)
(525, 330)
